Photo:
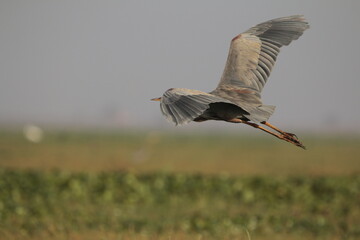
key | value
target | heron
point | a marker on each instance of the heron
(237, 98)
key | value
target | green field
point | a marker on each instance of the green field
(155, 185)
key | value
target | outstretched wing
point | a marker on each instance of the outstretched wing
(253, 53)
(180, 105)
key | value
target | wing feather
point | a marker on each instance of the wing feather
(180, 105)
(169, 116)
(253, 53)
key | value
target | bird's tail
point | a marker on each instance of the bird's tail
(261, 113)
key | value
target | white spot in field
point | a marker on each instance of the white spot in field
(33, 133)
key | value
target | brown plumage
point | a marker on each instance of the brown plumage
(237, 98)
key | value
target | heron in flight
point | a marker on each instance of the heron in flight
(237, 98)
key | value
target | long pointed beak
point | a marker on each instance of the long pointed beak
(156, 99)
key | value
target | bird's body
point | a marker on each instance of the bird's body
(222, 111)
(237, 98)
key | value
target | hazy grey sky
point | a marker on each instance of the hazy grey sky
(99, 62)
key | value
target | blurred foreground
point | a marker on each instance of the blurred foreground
(153, 185)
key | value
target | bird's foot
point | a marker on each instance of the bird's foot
(292, 138)
(292, 135)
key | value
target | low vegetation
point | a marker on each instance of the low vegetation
(153, 186)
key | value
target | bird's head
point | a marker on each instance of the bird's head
(156, 99)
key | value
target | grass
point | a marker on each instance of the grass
(191, 153)
(154, 185)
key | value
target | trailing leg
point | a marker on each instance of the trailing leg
(283, 136)
(278, 130)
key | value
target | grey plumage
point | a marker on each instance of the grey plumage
(181, 106)
(237, 97)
